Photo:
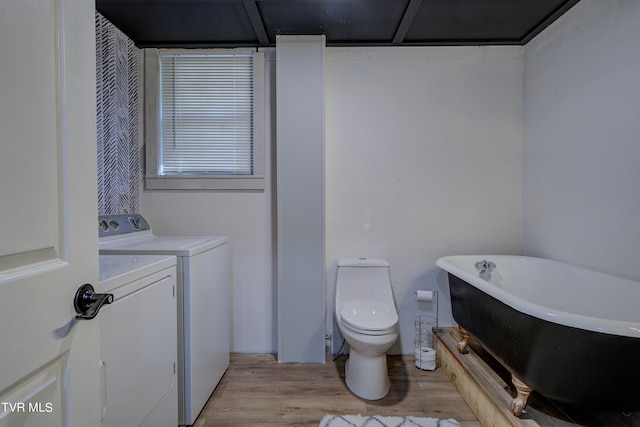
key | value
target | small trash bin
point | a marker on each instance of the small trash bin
(425, 349)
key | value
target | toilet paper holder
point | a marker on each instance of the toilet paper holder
(425, 345)
(429, 296)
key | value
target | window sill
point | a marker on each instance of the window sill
(204, 183)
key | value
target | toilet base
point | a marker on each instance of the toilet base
(367, 377)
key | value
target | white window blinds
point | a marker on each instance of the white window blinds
(206, 113)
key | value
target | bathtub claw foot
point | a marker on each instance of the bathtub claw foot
(520, 402)
(462, 344)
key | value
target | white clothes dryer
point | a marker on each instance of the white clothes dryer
(203, 292)
(138, 341)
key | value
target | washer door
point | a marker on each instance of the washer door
(139, 353)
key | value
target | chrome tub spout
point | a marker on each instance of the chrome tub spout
(485, 268)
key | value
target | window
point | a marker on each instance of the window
(204, 120)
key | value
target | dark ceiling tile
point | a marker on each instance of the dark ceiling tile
(149, 22)
(341, 21)
(472, 20)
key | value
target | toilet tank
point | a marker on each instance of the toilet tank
(363, 279)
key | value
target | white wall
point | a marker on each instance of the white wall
(423, 159)
(247, 218)
(582, 138)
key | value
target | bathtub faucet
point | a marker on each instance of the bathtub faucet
(485, 267)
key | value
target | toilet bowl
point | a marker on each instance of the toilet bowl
(367, 319)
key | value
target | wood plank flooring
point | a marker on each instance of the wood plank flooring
(258, 391)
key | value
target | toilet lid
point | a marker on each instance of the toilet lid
(369, 316)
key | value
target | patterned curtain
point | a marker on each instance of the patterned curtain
(119, 140)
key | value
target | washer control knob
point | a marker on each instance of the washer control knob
(135, 222)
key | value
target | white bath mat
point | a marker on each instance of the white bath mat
(378, 421)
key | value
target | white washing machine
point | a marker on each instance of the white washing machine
(138, 341)
(203, 301)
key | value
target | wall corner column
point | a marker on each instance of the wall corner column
(300, 198)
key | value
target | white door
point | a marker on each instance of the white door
(49, 367)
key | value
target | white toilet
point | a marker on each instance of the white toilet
(367, 318)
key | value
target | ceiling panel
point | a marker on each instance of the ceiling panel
(180, 22)
(441, 21)
(341, 21)
(236, 23)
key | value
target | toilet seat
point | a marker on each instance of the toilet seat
(368, 317)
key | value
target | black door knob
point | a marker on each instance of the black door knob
(87, 302)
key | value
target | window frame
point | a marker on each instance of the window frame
(152, 132)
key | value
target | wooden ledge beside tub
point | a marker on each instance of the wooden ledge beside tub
(486, 393)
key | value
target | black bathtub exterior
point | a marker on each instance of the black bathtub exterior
(566, 364)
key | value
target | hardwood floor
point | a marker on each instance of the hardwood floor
(258, 391)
